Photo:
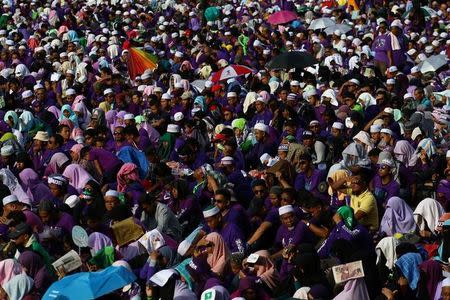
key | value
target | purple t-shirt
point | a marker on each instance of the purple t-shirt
(299, 234)
(108, 161)
(381, 45)
(383, 192)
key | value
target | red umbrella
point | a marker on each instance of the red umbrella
(230, 71)
(282, 17)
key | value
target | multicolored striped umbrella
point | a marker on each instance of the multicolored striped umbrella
(139, 60)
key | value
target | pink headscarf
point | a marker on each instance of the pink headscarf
(219, 258)
(55, 111)
(266, 269)
(68, 123)
(8, 269)
(128, 170)
(78, 177)
(58, 159)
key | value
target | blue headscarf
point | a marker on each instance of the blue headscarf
(409, 266)
(72, 117)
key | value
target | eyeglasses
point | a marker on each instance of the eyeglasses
(258, 191)
(384, 167)
(118, 132)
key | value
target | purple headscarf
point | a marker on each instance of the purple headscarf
(98, 241)
(398, 217)
(433, 275)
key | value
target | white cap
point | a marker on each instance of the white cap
(173, 128)
(7, 150)
(231, 94)
(355, 81)
(70, 92)
(415, 70)
(397, 23)
(390, 81)
(108, 91)
(261, 99)
(112, 193)
(38, 86)
(411, 52)
(393, 69)
(389, 110)
(429, 49)
(407, 96)
(157, 90)
(166, 96)
(387, 131)
(375, 128)
(178, 116)
(211, 211)
(72, 201)
(128, 117)
(27, 94)
(10, 199)
(435, 43)
(227, 160)
(178, 54)
(295, 83)
(285, 209)
(338, 125)
(447, 155)
(261, 127)
(183, 247)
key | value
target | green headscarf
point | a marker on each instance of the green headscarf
(243, 41)
(346, 213)
(103, 258)
(165, 150)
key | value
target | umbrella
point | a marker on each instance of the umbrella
(293, 59)
(433, 63)
(321, 23)
(344, 28)
(230, 71)
(90, 285)
(282, 17)
(139, 60)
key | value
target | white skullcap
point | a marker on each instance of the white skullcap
(389, 110)
(7, 150)
(128, 117)
(108, 91)
(166, 96)
(10, 199)
(338, 125)
(157, 90)
(261, 127)
(231, 94)
(178, 54)
(38, 86)
(414, 70)
(211, 211)
(387, 131)
(112, 193)
(295, 83)
(407, 96)
(355, 81)
(393, 69)
(27, 94)
(261, 99)
(173, 128)
(178, 116)
(227, 160)
(429, 49)
(375, 128)
(390, 81)
(70, 92)
(411, 52)
(285, 209)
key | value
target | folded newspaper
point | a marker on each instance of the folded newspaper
(353, 270)
(68, 262)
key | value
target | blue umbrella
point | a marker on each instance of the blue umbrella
(90, 285)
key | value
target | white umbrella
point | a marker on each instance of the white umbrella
(321, 23)
(433, 63)
(343, 28)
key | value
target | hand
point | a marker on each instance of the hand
(390, 295)
(154, 255)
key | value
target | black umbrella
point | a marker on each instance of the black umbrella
(293, 59)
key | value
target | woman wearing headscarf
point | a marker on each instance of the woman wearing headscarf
(218, 255)
(183, 204)
(58, 162)
(265, 269)
(354, 289)
(19, 288)
(8, 269)
(162, 258)
(166, 145)
(76, 176)
(369, 104)
(426, 164)
(432, 272)
(97, 119)
(12, 120)
(35, 268)
(398, 218)
(129, 183)
(347, 228)
(34, 187)
(426, 215)
(97, 241)
(352, 155)
(405, 154)
(250, 289)
(409, 276)
(81, 111)
(363, 138)
(67, 113)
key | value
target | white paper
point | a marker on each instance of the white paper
(353, 270)
(68, 262)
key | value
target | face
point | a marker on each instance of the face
(445, 294)
(111, 202)
(384, 170)
(118, 134)
(213, 222)
(418, 95)
(288, 219)
(65, 132)
(357, 185)
(174, 193)
(308, 142)
(286, 199)
(55, 190)
(249, 294)
(304, 165)
(335, 132)
(259, 191)
(259, 106)
(386, 138)
(45, 216)
(259, 135)
(221, 202)
(375, 136)
(274, 199)
(315, 211)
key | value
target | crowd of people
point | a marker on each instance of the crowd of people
(250, 183)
